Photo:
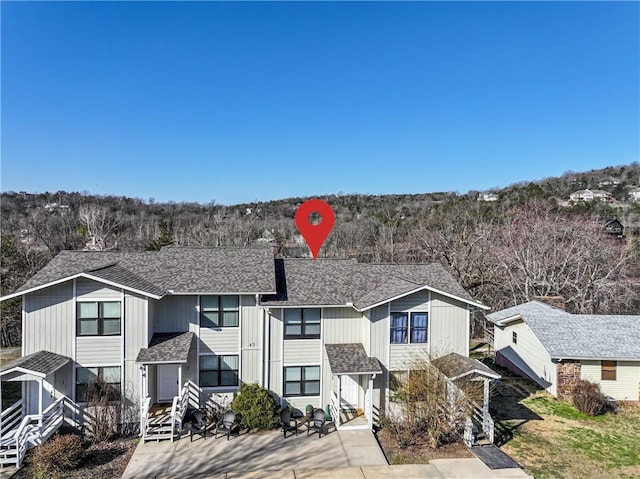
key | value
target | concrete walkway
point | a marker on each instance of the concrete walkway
(338, 455)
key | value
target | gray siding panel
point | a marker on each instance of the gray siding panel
(342, 325)
(135, 337)
(224, 340)
(448, 327)
(414, 302)
(86, 288)
(175, 313)
(49, 320)
(407, 356)
(302, 351)
(99, 350)
(380, 334)
(275, 351)
(252, 340)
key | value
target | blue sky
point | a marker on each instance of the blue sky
(237, 102)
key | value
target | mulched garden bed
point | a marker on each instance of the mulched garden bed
(418, 454)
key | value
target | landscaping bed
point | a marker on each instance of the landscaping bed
(419, 453)
(105, 460)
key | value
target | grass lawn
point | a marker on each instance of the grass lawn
(569, 444)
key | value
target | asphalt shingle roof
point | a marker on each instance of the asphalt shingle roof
(566, 335)
(342, 281)
(167, 348)
(180, 269)
(42, 362)
(454, 365)
(351, 358)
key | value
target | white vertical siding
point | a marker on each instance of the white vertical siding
(380, 333)
(275, 351)
(175, 314)
(49, 318)
(86, 288)
(528, 355)
(96, 350)
(342, 325)
(414, 302)
(135, 337)
(448, 327)
(626, 387)
(251, 341)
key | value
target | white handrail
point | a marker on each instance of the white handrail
(335, 411)
(10, 417)
(144, 413)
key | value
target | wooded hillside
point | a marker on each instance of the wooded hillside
(529, 242)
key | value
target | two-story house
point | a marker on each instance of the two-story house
(324, 333)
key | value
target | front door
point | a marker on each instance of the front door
(167, 382)
(349, 392)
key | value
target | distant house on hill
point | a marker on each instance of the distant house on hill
(609, 181)
(614, 227)
(634, 193)
(555, 348)
(487, 197)
(590, 195)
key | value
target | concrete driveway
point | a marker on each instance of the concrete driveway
(256, 453)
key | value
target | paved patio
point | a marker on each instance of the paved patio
(257, 453)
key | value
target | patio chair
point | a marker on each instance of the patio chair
(198, 424)
(226, 425)
(317, 422)
(286, 422)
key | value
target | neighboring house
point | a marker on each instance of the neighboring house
(609, 181)
(487, 197)
(613, 226)
(634, 194)
(326, 332)
(591, 195)
(555, 348)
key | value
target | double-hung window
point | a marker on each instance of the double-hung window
(302, 381)
(92, 384)
(216, 371)
(608, 370)
(409, 327)
(98, 318)
(302, 323)
(219, 311)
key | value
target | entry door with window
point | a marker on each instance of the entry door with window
(168, 386)
(349, 392)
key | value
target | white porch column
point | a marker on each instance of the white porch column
(485, 403)
(369, 401)
(40, 401)
(146, 380)
(179, 379)
(339, 419)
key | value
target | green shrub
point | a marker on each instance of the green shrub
(256, 406)
(59, 454)
(588, 399)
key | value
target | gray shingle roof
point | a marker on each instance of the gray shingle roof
(342, 281)
(42, 363)
(167, 348)
(454, 366)
(180, 269)
(587, 336)
(351, 358)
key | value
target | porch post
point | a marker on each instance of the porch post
(40, 402)
(146, 380)
(485, 403)
(179, 379)
(339, 405)
(369, 401)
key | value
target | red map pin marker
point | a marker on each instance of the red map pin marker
(315, 235)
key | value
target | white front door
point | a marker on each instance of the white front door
(167, 382)
(349, 392)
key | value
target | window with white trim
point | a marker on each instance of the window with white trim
(302, 381)
(219, 311)
(409, 328)
(96, 382)
(98, 318)
(302, 323)
(218, 370)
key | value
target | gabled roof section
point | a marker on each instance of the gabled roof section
(456, 366)
(165, 348)
(340, 282)
(41, 363)
(577, 336)
(172, 270)
(351, 358)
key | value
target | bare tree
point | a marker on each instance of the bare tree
(101, 226)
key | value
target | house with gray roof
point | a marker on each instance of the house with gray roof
(556, 348)
(174, 328)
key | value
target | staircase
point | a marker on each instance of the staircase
(17, 436)
(157, 425)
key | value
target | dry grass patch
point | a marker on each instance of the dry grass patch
(569, 444)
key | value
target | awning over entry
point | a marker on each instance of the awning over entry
(167, 348)
(39, 364)
(456, 366)
(351, 358)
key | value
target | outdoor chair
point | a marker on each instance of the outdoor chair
(287, 422)
(198, 424)
(226, 425)
(317, 422)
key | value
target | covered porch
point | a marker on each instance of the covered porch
(166, 386)
(352, 392)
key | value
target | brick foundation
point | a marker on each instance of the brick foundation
(568, 375)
